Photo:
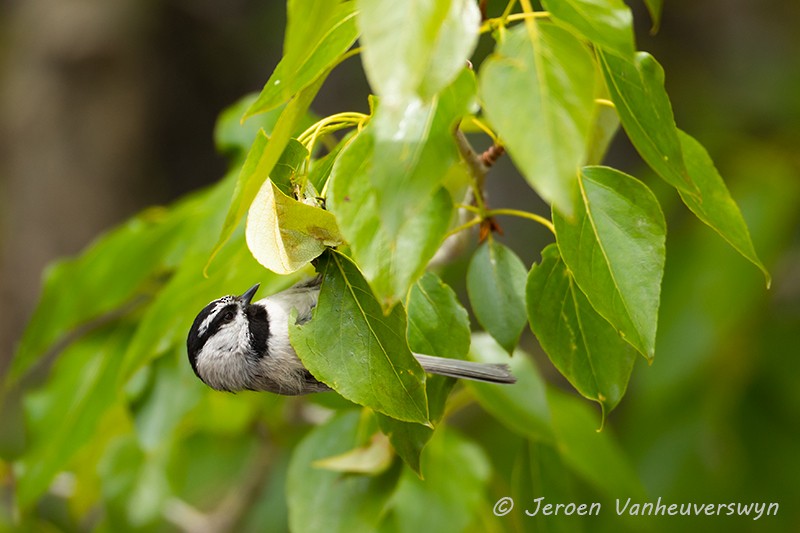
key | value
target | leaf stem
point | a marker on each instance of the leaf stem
(347, 55)
(502, 22)
(523, 214)
(498, 212)
(484, 128)
(509, 7)
(474, 222)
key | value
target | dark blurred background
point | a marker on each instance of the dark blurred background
(108, 107)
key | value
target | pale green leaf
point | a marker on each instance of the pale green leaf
(614, 248)
(373, 458)
(581, 344)
(636, 87)
(354, 348)
(416, 48)
(284, 234)
(606, 23)
(542, 73)
(716, 207)
(496, 287)
(317, 35)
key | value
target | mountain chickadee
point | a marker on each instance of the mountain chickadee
(235, 345)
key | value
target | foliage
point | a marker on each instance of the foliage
(370, 214)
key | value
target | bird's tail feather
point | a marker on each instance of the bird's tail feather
(455, 368)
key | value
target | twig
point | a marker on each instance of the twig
(492, 154)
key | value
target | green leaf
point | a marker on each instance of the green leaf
(286, 169)
(545, 415)
(284, 234)
(615, 251)
(167, 320)
(606, 23)
(409, 439)
(104, 278)
(584, 347)
(496, 288)
(233, 138)
(373, 458)
(353, 348)
(716, 207)
(415, 49)
(544, 74)
(172, 394)
(605, 123)
(414, 149)
(636, 87)
(437, 323)
(321, 168)
(618, 229)
(654, 7)
(322, 500)
(261, 160)
(522, 407)
(135, 486)
(452, 495)
(390, 264)
(64, 414)
(539, 472)
(317, 34)
(594, 455)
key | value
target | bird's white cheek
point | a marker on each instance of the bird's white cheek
(222, 362)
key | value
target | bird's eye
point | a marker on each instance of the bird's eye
(228, 316)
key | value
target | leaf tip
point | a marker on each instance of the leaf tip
(767, 276)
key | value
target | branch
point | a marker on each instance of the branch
(479, 166)
(474, 161)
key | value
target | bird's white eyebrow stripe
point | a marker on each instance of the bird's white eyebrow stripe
(201, 330)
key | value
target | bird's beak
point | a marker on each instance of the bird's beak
(248, 295)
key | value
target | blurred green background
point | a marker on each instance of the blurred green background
(109, 107)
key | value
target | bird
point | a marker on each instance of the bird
(236, 344)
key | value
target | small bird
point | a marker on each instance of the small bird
(235, 344)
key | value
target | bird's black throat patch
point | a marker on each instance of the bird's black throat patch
(259, 329)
